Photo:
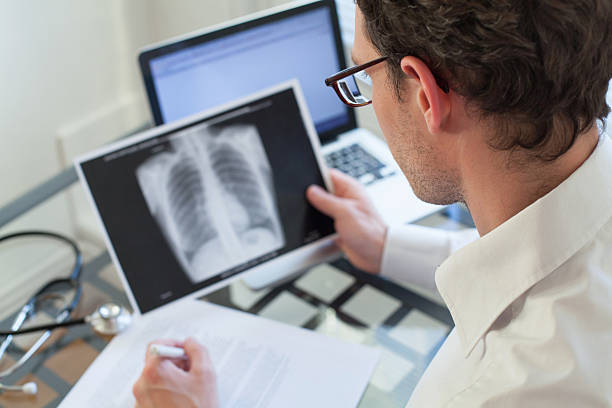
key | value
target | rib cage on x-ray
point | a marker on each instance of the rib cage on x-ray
(213, 198)
(187, 206)
(238, 179)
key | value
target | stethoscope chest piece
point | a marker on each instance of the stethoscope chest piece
(109, 319)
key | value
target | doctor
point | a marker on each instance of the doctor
(494, 104)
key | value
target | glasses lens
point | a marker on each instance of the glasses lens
(357, 88)
(364, 83)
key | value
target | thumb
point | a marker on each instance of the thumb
(345, 185)
(325, 202)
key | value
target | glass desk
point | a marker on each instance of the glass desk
(333, 299)
(340, 301)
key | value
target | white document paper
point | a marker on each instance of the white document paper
(259, 363)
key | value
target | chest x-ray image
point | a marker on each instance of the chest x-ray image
(211, 192)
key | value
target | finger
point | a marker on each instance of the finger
(137, 390)
(325, 202)
(171, 368)
(199, 359)
(141, 392)
(161, 371)
(339, 242)
(342, 246)
(345, 185)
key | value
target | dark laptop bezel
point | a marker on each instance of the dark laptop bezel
(145, 57)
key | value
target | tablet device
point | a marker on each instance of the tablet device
(188, 206)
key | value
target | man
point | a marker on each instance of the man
(494, 104)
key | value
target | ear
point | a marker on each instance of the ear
(433, 101)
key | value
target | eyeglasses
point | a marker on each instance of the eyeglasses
(354, 86)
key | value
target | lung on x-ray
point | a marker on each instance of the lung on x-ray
(211, 192)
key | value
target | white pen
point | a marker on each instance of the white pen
(167, 351)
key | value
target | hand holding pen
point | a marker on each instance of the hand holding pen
(161, 350)
(176, 374)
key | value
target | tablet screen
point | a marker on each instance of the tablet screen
(187, 206)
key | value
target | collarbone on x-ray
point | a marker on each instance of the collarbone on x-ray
(212, 194)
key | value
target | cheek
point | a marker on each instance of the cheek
(396, 122)
(389, 124)
(384, 108)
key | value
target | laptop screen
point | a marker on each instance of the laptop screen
(195, 74)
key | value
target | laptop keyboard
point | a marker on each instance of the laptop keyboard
(357, 162)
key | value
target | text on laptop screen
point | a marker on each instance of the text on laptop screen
(206, 75)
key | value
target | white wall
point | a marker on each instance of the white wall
(172, 18)
(57, 65)
(65, 59)
(69, 80)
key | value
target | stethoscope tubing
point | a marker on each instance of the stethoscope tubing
(78, 261)
(29, 308)
(43, 327)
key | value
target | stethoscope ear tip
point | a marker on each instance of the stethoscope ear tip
(30, 388)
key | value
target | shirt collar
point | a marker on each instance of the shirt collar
(479, 281)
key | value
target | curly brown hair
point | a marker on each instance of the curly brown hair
(539, 68)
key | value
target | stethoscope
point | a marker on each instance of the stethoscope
(108, 319)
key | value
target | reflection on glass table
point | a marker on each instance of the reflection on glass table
(340, 301)
(335, 300)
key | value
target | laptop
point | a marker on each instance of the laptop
(188, 206)
(301, 40)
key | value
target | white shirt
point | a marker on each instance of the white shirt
(531, 300)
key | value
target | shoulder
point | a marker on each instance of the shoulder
(551, 347)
